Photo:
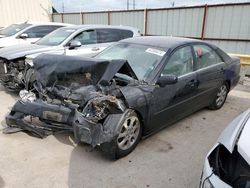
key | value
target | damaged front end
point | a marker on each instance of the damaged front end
(75, 95)
(11, 73)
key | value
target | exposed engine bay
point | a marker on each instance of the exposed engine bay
(11, 73)
(70, 94)
(230, 167)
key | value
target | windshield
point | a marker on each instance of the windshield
(56, 37)
(13, 29)
(142, 59)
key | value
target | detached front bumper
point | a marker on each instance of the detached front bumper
(57, 118)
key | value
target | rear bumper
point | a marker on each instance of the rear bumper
(56, 118)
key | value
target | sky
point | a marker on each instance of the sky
(101, 5)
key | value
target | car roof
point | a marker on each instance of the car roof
(165, 42)
(50, 23)
(96, 26)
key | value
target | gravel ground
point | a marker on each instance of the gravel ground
(171, 158)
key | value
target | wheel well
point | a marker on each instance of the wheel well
(140, 118)
(228, 82)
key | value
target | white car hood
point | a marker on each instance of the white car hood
(19, 51)
(238, 133)
(7, 41)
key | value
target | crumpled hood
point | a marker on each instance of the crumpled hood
(52, 68)
(18, 51)
(238, 133)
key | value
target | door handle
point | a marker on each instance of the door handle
(222, 70)
(95, 49)
(193, 83)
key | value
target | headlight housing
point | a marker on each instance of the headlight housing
(207, 184)
(27, 96)
(29, 62)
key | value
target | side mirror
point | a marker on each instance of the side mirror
(23, 36)
(74, 44)
(167, 80)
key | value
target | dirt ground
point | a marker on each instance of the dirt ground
(171, 158)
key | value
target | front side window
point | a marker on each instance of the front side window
(40, 31)
(180, 62)
(13, 29)
(87, 37)
(205, 56)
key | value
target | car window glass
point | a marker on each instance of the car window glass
(180, 63)
(142, 59)
(112, 35)
(13, 29)
(126, 34)
(56, 37)
(87, 37)
(205, 56)
(40, 31)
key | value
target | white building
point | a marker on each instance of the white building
(14, 11)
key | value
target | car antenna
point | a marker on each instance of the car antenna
(26, 21)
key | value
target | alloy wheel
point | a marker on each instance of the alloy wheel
(221, 95)
(129, 133)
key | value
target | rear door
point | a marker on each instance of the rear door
(173, 102)
(210, 68)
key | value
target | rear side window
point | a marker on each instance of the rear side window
(126, 34)
(40, 31)
(112, 35)
(205, 56)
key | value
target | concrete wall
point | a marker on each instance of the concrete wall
(14, 11)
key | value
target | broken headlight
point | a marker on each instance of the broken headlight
(207, 184)
(29, 62)
(95, 110)
(27, 96)
(100, 107)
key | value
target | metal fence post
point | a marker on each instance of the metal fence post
(108, 17)
(145, 21)
(82, 18)
(204, 22)
(62, 17)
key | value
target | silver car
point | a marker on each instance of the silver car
(81, 40)
(227, 164)
(26, 33)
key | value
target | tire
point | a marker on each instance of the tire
(220, 97)
(127, 139)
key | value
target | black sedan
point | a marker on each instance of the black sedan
(128, 91)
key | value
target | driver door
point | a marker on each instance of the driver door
(173, 102)
(89, 48)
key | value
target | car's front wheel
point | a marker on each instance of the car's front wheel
(220, 97)
(130, 132)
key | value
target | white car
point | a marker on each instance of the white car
(81, 40)
(26, 32)
(227, 165)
